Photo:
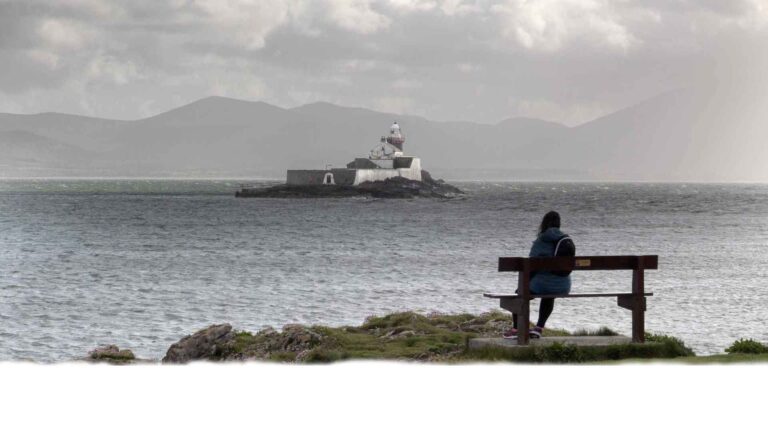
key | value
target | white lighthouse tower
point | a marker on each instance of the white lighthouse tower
(390, 146)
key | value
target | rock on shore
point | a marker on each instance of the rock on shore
(206, 344)
(403, 335)
(219, 342)
(396, 187)
(111, 354)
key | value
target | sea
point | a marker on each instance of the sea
(142, 263)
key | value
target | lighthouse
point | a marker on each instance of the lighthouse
(396, 137)
(390, 146)
(386, 160)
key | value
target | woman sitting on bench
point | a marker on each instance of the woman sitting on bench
(544, 282)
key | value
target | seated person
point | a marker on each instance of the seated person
(544, 282)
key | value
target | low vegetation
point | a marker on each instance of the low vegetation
(432, 338)
(655, 347)
(747, 346)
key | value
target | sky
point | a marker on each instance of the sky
(567, 61)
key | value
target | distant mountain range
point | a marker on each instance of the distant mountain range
(678, 136)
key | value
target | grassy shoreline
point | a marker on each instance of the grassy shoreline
(432, 338)
(409, 336)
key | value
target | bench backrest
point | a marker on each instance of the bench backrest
(620, 262)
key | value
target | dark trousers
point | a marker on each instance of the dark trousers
(545, 310)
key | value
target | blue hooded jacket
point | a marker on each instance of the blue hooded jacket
(545, 282)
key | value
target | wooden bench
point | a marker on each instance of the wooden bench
(519, 303)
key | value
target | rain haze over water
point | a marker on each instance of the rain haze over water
(142, 263)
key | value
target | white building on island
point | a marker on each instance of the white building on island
(385, 161)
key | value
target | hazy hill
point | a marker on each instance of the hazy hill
(25, 152)
(86, 132)
(215, 111)
(683, 135)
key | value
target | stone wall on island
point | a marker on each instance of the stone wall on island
(411, 170)
(336, 176)
(406, 167)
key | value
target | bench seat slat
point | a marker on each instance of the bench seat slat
(493, 295)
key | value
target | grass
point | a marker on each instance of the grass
(725, 358)
(747, 346)
(405, 335)
(569, 353)
(437, 338)
(397, 336)
(700, 360)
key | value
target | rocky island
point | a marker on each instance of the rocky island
(395, 187)
(385, 173)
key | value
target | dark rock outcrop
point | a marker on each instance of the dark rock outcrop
(293, 343)
(207, 344)
(396, 187)
(296, 338)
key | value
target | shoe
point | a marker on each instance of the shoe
(535, 332)
(510, 334)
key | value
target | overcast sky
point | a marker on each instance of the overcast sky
(567, 61)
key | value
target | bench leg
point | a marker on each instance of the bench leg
(637, 305)
(523, 323)
(638, 324)
(523, 318)
(521, 309)
(638, 312)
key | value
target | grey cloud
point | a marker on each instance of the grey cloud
(19, 21)
(26, 74)
(486, 64)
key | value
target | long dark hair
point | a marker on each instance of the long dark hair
(551, 220)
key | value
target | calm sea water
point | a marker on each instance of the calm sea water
(143, 263)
